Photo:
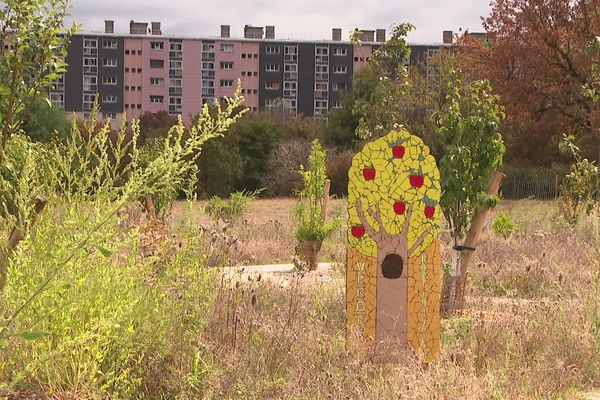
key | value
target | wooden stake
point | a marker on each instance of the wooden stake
(15, 237)
(325, 203)
(150, 207)
(472, 239)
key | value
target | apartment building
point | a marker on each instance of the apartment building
(145, 70)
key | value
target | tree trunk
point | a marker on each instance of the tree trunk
(392, 289)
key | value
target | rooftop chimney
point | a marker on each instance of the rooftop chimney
(448, 37)
(156, 28)
(380, 35)
(336, 34)
(225, 31)
(269, 32)
(138, 28)
(109, 26)
(253, 32)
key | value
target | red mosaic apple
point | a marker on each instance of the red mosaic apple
(369, 173)
(398, 151)
(358, 231)
(399, 207)
(416, 180)
(429, 211)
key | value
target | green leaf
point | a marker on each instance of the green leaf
(104, 251)
(3, 344)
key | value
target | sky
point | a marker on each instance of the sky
(293, 19)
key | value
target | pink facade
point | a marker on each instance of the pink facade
(362, 54)
(249, 73)
(156, 80)
(228, 67)
(133, 77)
(192, 79)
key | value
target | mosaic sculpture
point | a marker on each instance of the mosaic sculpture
(393, 260)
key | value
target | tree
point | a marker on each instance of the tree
(393, 212)
(33, 46)
(472, 151)
(157, 124)
(536, 59)
(43, 122)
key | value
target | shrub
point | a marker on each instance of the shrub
(281, 177)
(311, 221)
(337, 170)
(504, 225)
(231, 209)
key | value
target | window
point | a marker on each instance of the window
(109, 115)
(157, 45)
(321, 69)
(157, 99)
(109, 80)
(139, 52)
(321, 86)
(226, 82)
(109, 62)
(90, 65)
(291, 50)
(271, 49)
(139, 88)
(255, 73)
(208, 65)
(175, 46)
(109, 44)
(272, 85)
(340, 51)
(340, 69)
(322, 51)
(174, 64)
(126, 88)
(254, 91)
(175, 82)
(57, 98)
(127, 52)
(243, 73)
(227, 65)
(255, 56)
(139, 106)
(339, 86)
(90, 43)
(227, 48)
(175, 100)
(157, 63)
(157, 81)
(336, 104)
(109, 98)
(126, 69)
(89, 83)
(272, 67)
(208, 47)
(243, 55)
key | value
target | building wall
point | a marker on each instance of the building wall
(340, 78)
(221, 74)
(306, 79)
(362, 54)
(274, 78)
(148, 73)
(133, 82)
(108, 52)
(249, 71)
(192, 79)
(74, 75)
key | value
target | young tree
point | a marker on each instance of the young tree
(33, 46)
(472, 151)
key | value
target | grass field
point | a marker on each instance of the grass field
(530, 329)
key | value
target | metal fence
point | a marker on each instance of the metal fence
(541, 188)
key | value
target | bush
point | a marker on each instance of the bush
(231, 209)
(504, 225)
(337, 171)
(220, 166)
(281, 177)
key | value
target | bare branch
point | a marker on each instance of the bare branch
(368, 228)
(421, 239)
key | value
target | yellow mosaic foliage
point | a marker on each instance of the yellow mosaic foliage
(392, 184)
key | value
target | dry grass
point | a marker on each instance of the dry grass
(530, 330)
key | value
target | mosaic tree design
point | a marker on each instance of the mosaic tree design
(393, 273)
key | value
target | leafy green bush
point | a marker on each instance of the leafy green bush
(504, 225)
(311, 221)
(231, 209)
(580, 189)
(86, 310)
